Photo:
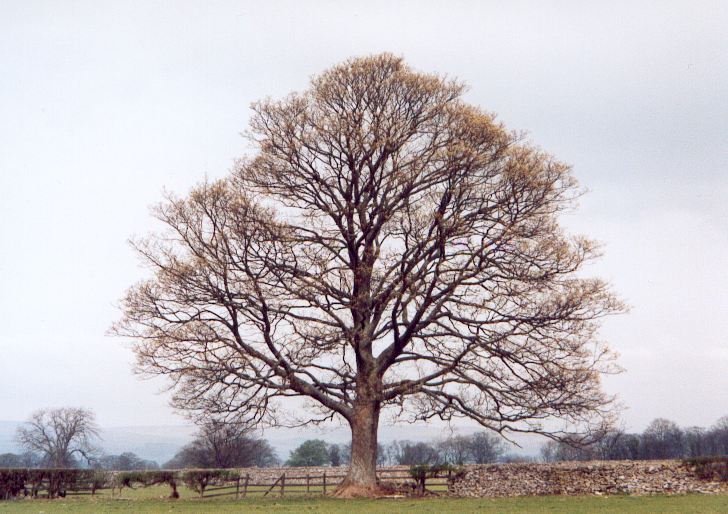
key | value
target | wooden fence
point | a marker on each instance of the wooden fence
(292, 483)
(287, 483)
(42, 489)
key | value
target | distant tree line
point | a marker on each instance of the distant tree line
(478, 448)
(662, 439)
(64, 438)
(22, 460)
(127, 461)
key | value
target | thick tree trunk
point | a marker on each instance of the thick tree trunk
(362, 477)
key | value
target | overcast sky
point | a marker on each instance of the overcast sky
(103, 105)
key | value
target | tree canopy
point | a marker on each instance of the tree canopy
(313, 452)
(224, 445)
(60, 436)
(389, 248)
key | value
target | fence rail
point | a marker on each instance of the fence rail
(241, 486)
(323, 483)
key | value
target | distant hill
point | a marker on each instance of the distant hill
(7, 433)
(158, 443)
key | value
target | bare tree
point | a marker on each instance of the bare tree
(59, 435)
(334, 455)
(224, 445)
(662, 439)
(696, 442)
(616, 444)
(409, 453)
(125, 462)
(456, 449)
(718, 437)
(24, 460)
(478, 448)
(486, 448)
(390, 247)
(549, 451)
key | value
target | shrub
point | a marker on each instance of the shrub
(93, 479)
(147, 478)
(709, 468)
(421, 472)
(198, 480)
(12, 481)
(35, 478)
(60, 480)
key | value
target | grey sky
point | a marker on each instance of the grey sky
(105, 104)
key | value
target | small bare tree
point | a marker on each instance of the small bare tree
(486, 448)
(224, 445)
(389, 247)
(59, 435)
(663, 439)
(718, 437)
(456, 449)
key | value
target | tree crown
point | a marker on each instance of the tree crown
(388, 244)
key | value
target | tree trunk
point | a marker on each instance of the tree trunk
(362, 477)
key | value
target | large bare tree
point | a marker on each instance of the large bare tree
(388, 247)
(60, 436)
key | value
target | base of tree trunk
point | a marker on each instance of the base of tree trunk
(377, 490)
(349, 489)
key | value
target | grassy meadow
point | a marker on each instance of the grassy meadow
(153, 500)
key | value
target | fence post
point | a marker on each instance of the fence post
(273, 485)
(324, 483)
(237, 488)
(245, 488)
(283, 484)
(308, 483)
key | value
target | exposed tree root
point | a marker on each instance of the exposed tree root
(378, 490)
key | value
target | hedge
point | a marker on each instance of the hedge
(147, 478)
(28, 482)
(421, 472)
(709, 468)
(15, 481)
(199, 479)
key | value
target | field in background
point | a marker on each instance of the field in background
(153, 500)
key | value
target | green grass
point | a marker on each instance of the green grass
(152, 500)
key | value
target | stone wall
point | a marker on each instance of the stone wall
(563, 478)
(298, 474)
(575, 478)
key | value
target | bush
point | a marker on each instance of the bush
(12, 481)
(147, 478)
(709, 468)
(421, 472)
(313, 452)
(35, 477)
(198, 480)
(99, 480)
(60, 480)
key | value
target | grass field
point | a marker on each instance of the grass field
(152, 500)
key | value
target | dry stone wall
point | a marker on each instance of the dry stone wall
(563, 478)
(582, 478)
(298, 474)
